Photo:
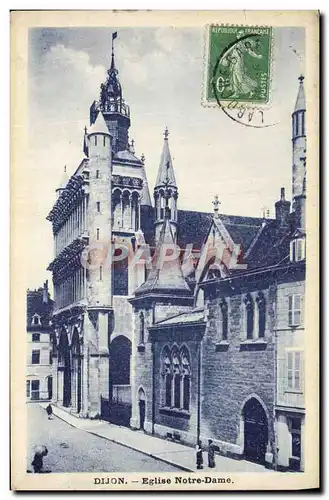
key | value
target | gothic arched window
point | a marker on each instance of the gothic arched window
(261, 314)
(141, 329)
(186, 378)
(167, 376)
(224, 319)
(177, 377)
(249, 315)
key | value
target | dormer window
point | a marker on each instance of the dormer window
(297, 250)
(36, 320)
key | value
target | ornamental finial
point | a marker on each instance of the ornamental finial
(216, 204)
(301, 78)
(166, 133)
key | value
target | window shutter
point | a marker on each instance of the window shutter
(290, 321)
(297, 371)
(290, 370)
(297, 309)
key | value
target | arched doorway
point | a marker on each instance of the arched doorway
(120, 390)
(64, 365)
(141, 404)
(120, 352)
(255, 431)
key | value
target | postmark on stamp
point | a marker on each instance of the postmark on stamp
(238, 65)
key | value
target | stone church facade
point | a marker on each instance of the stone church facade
(179, 345)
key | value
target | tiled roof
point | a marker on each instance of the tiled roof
(195, 316)
(193, 228)
(35, 305)
(126, 156)
(271, 247)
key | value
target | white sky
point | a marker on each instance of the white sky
(161, 72)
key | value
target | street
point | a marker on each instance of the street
(74, 450)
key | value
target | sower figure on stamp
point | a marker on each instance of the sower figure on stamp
(199, 456)
(211, 454)
(240, 81)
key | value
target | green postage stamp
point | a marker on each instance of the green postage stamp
(238, 65)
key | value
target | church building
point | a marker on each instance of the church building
(189, 342)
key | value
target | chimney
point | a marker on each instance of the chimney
(45, 293)
(282, 210)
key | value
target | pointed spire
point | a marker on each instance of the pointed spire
(145, 198)
(300, 101)
(166, 169)
(166, 276)
(99, 127)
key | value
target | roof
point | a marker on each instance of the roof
(194, 316)
(165, 276)
(166, 169)
(127, 156)
(36, 305)
(270, 248)
(99, 126)
(194, 226)
(146, 198)
(300, 101)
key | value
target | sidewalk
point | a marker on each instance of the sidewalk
(178, 455)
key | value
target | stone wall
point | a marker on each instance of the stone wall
(236, 370)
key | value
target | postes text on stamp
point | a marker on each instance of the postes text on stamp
(238, 64)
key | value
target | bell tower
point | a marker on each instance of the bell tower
(112, 105)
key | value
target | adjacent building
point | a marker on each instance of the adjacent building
(185, 324)
(39, 383)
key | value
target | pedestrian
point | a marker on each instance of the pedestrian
(49, 411)
(211, 454)
(199, 456)
(37, 462)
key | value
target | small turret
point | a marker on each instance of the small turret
(165, 186)
(63, 183)
(299, 156)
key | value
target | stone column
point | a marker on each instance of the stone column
(55, 381)
(60, 383)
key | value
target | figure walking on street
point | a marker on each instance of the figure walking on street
(49, 411)
(211, 454)
(199, 456)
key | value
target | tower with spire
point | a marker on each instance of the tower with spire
(113, 107)
(299, 156)
(165, 191)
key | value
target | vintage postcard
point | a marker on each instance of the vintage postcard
(164, 250)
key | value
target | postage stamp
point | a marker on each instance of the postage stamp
(238, 65)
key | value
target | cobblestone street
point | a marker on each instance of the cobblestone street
(73, 450)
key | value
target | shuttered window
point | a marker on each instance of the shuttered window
(295, 310)
(294, 367)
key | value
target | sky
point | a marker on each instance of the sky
(161, 72)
